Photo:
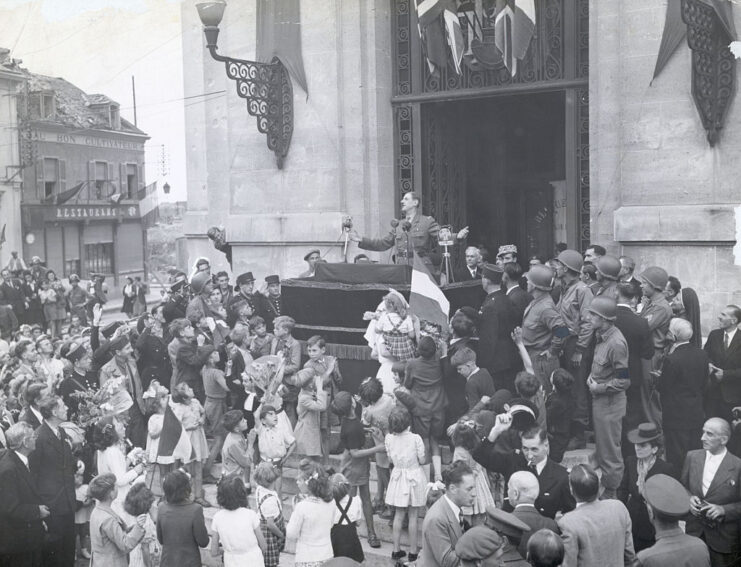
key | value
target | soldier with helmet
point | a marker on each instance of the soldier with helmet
(573, 306)
(543, 328)
(656, 309)
(607, 382)
(608, 274)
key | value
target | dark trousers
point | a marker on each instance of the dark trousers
(31, 558)
(580, 392)
(678, 442)
(504, 380)
(136, 430)
(717, 559)
(59, 549)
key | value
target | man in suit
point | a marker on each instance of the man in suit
(597, 532)
(667, 502)
(154, 362)
(498, 318)
(472, 269)
(511, 278)
(681, 383)
(21, 509)
(522, 491)
(12, 294)
(53, 470)
(8, 322)
(444, 524)
(122, 367)
(31, 414)
(712, 475)
(641, 400)
(188, 356)
(724, 350)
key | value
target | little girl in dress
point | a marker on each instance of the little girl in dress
(155, 399)
(406, 489)
(191, 415)
(465, 441)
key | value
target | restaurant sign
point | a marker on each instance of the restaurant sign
(95, 212)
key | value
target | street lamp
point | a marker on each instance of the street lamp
(166, 188)
(265, 86)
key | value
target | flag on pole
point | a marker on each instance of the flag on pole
(149, 209)
(432, 32)
(64, 196)
(2, 236)
(514, 28)
(454, 34)
(174, 441)
(426, 299)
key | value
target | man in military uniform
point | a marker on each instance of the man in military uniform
(414, 233)
(507, 254)
(656, 310)
(608, 273)
(543, 328)
(77, 298)
(607, 383)
(498, 318)
(272, 305)
(246, 285)
(177, 298)
(668, 502)
(573, 306)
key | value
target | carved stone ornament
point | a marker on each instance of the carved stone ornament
(713, 65)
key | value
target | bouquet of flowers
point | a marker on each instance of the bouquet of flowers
(111, 398)
(137, 456)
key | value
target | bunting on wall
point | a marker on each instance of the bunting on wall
(514, 28)
(441, 33)
(279, 35)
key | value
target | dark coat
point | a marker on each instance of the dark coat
(681, 385)
(21, 529)
(730, 362)
(643, 530)
(8, 321)
(536, 521)
(463, 274)
(29, 417)
(497, 351)
(640, 351)
(181, 530)
(13, 296)
(520, 299)
(53, 469)
(269, 311)
(725, 490)
(154, 362)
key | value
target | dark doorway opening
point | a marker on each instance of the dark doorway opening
(497, 164)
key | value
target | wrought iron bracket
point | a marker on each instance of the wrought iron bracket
(713, 65)
(268, 91)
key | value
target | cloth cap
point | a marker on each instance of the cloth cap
(644, 433)
(272, 280)
(244, 278)
(505, 523)
(109, 329)
(199, 281)
(471, 313)
(492, 272)
(667, 496)
(507, 249)
(310, 252)
(479, 543)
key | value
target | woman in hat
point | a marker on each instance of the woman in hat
(647, 462)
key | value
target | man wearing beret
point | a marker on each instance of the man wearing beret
(668, 502)
(311, 258)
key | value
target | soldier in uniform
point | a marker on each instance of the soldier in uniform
(573, 306)
(77, 298)
(177, 300)
(543, 328)
(668, 502)
(656, 310)
(272, 304)
(498, 318)
(414, 233)
(608, 274)
(246, 285)
(607, 383)
(507, 254)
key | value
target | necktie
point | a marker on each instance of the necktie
(463, 522)
(725, 341)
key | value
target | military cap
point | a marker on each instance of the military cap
(469, 312)
(478, 543)
(507, 249)
(244, 278)
(110, 328)
(310, 252)
(73, 351)
(524, 413)
(505, 523)
(272, 280)
(492, 272)
(118, 343)
(667, 496)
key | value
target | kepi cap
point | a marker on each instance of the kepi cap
(492, 272)
(270, 280)
(244, 278)
(478, 543)
(667, 496)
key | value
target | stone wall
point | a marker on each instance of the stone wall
(341, 155)
(659, 192)
(10, 160)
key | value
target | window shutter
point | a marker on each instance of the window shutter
(111, 177)
(40, 178)
(62, 175)
(90, 180)
(140, 176)
(122, 177)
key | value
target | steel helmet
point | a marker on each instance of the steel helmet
(608, 267)
(541, 277)
(655, 276)
(571, 259)
(605, 307)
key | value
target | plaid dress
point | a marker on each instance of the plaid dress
(273, 544)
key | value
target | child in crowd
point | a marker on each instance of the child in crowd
(344, 535)
(528, 387)
(236, 453)
(270, 509)
(214, 383)
(320, 362)
(356, 460)
(312, 400)
(290, 349)
(559, 407)
(235, 527)
(402, 396)
(425, 381)
(155, 403)
(377, 408)
(396, 327)
(406, 489)
(466, 440)
(274, 442)
(479, 383)
(82, 513)
(191, 415)
(261, 339)
(139, 501)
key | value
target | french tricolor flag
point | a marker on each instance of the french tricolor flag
(174, 441)
(426, 299)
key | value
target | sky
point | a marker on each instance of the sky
(98, 45)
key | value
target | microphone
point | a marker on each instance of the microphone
(394, 223)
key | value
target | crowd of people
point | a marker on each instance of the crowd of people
(580, 348)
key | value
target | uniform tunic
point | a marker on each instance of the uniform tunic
(674, 548)
(543, 329)
(422, 239)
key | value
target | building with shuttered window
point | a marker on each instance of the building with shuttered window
(80, 205)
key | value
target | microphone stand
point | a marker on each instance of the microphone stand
(346, 231)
